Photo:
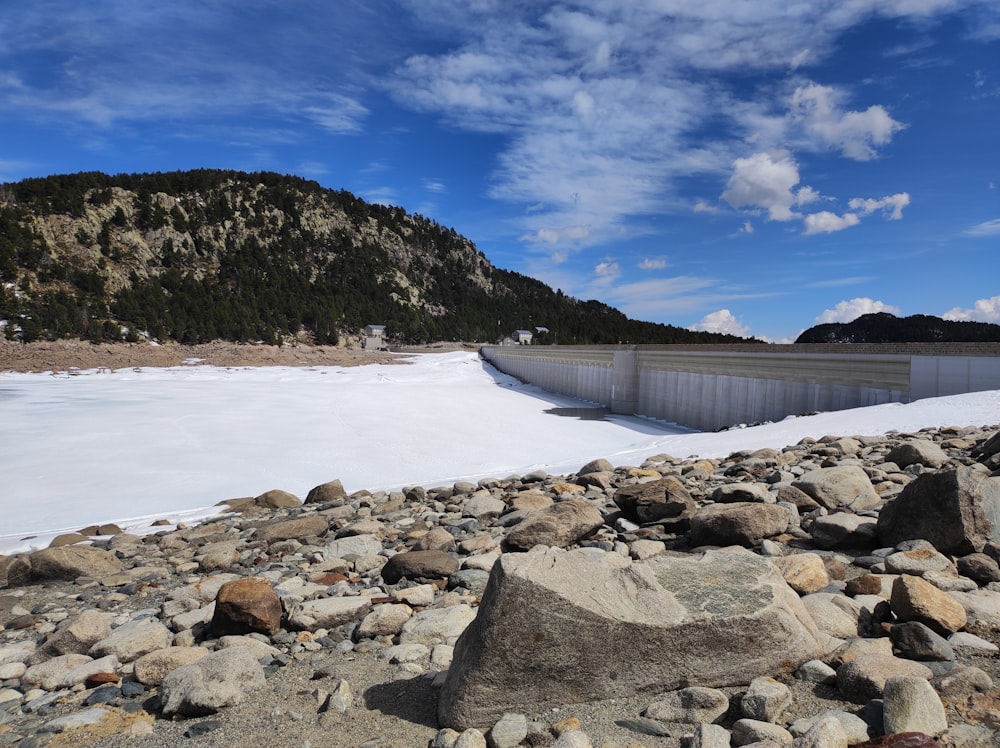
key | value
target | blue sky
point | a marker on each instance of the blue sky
(746, 166)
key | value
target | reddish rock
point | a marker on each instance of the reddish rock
(246, 605)
(99, 679)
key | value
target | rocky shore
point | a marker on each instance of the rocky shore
(837, 592)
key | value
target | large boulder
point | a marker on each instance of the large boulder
(840, 486)
(956, 509)
(542, 633)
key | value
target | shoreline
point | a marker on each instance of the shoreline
(67, 355)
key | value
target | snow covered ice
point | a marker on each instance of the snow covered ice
(134, 445)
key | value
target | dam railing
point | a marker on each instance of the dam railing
(715, 386)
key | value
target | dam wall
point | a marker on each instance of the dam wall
(710, 387)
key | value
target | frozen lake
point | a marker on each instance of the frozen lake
(128, 445)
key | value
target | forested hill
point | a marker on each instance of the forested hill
(202, 255)
(883, 327)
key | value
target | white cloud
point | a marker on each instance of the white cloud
(651, 263)
(891, 205)
(557, 236)
(703, 207)
(856, 134)
(826, 222)
(764, 181)
(848, 311)
(984, 310)
(746, 228)
(722, 321)
(607, 269)
(987, 228)
(434, 185)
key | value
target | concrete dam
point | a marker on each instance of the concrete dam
(710, 387)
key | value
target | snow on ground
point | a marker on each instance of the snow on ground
(136, 445)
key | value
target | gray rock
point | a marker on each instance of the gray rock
(915, 641)
(743, 492)
(710, 736)
(437, 625)
(840, 486)
(864, 678)
(765, 699)
(747, 731)
(152, 668)
(353, 546)
(918, 452)
(909, 704)
(546, 618)
(79, 634)
(85, 718)
(826, 732)
(692, 705)
(843, 530)
(742, 523)
(816, 671)
(483, 508)
(132, 640)
(956, 509)
(854, 727)
(918, 562)
(49, 674)
(220, 679)
(558, 525)
(508, 732)
(328, 612)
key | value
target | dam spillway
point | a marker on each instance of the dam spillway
(710, 387)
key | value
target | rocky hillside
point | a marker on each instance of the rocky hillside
(887, 328)
(204, 255)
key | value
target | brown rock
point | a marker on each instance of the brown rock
(301, 527)
(326, 492)
(914, 599)
(72, 561)
(436, 539)
(559, 525)
(68, 538)
(246, 605)
(804, 572)
(745, 524)
(656, 500)
(277, 499)
(951, 508)
(432, 564)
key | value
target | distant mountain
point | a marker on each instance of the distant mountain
(202, 255)
(887, 328)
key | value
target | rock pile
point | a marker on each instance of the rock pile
(843, 591)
